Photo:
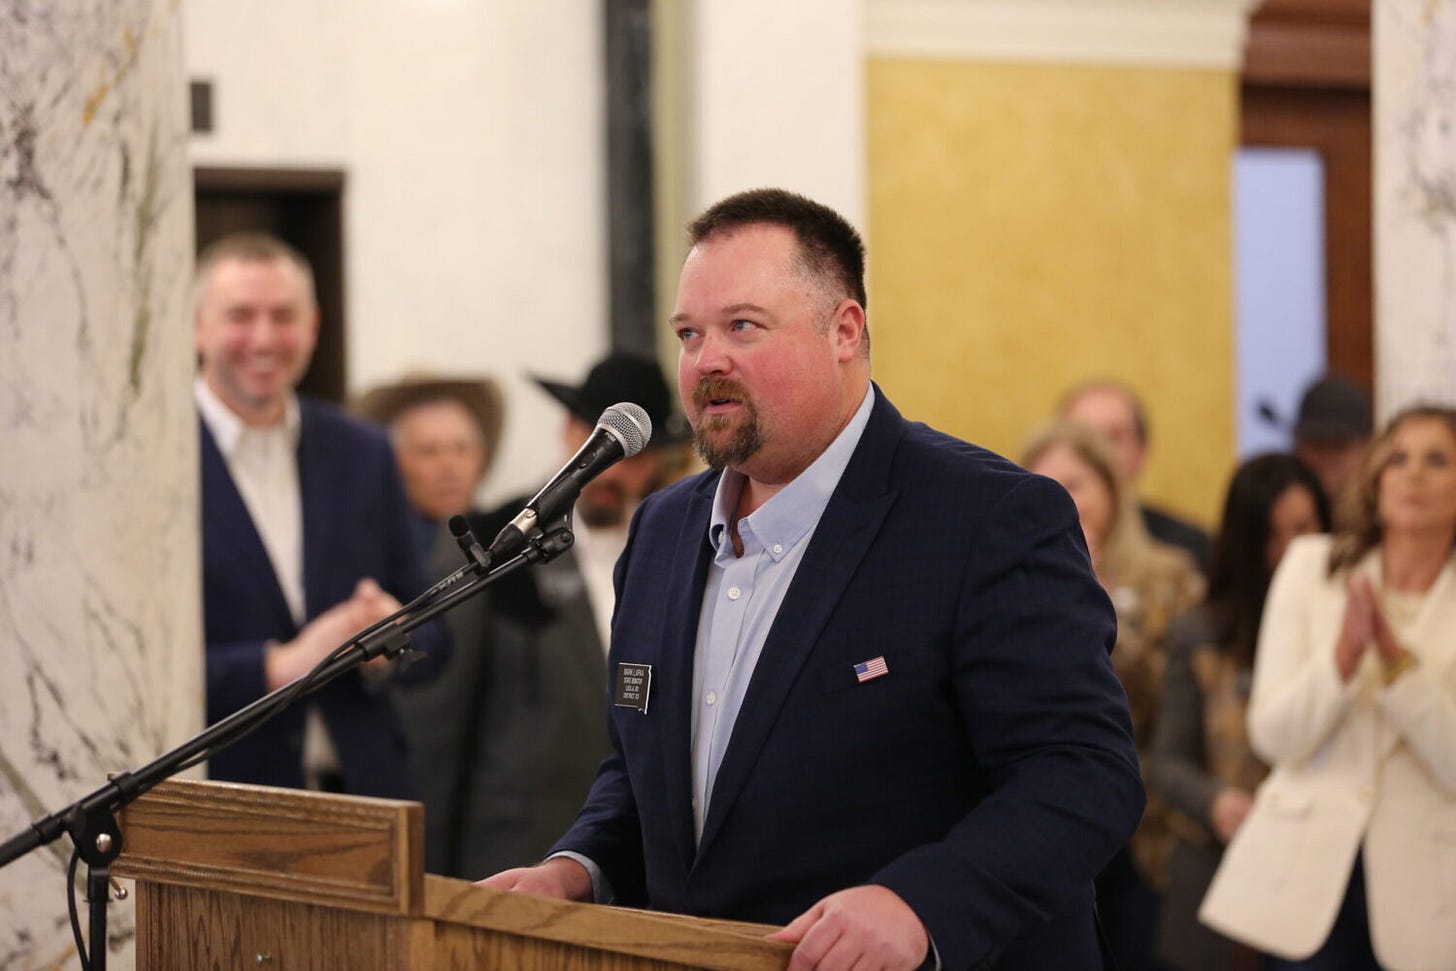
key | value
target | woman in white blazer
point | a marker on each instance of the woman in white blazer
(1348, 858)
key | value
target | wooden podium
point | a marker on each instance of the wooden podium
(232, 876)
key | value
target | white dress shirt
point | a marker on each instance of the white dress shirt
(263, 464)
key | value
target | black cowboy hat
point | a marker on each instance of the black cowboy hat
(618, 377)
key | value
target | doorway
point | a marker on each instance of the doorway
(303, 207)
(1303, 178)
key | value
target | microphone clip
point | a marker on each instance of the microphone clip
(476, 558)
(551, 542)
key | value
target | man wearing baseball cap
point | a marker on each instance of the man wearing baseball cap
(1332, 432)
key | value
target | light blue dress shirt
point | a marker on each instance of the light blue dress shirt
(743, 594)
(740, 602)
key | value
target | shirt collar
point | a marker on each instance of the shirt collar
(227, 428)
(785, 519)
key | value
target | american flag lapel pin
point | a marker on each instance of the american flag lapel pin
(875, 667)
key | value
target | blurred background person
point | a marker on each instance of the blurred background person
(521, 719)
(1202, 766)
(445, 435)
(305, 533)
(1115, 411)
(1332, 432)
(607, 502)
(1150, 583)
(1345, 860)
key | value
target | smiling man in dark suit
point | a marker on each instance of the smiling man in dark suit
(305, 536)
(859, 671)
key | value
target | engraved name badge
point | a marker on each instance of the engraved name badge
(634, 686)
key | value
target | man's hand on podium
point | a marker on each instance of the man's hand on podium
(559, 877)
(868, 926)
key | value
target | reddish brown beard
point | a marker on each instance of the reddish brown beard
(744, 437)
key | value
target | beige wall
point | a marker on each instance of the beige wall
(1037, 224)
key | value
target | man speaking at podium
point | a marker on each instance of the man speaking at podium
(859, 671)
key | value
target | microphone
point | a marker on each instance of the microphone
(469, 545)
(622, 431)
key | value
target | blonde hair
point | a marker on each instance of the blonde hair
(1358, 529)
(1128, 551)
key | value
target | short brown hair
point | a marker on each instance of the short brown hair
(829, 246)
(249, 246)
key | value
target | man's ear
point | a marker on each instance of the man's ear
(848, 329)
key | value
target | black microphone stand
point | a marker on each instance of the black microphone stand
(91, 820)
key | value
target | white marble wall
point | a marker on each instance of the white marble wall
(1415, 202)
(99, 592)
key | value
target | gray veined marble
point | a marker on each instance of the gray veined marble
(100, 664)
(1415, 167)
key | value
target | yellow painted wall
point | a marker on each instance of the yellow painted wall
(1035, 225)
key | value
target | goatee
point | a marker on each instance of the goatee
(742, 442)
(720, 440)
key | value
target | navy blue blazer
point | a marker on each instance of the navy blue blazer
(985, 779)
(354, 525)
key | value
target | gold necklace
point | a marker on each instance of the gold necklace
(1401, 606)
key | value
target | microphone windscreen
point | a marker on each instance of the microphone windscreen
(629, 424)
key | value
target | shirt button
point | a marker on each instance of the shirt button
(1367, 794)
(734, 593)
(712, 697)
(778, 548)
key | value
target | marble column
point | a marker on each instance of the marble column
(1415, 202)
(100, 667)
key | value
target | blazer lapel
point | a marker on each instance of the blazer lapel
(225, 512)
(1437, 614)
(1436, 619)
(843, 537)
(317, 490)
(680, 632)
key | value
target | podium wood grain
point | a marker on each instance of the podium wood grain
(232, 876)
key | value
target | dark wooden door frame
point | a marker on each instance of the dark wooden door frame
(305, 207)
(1306, 84)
